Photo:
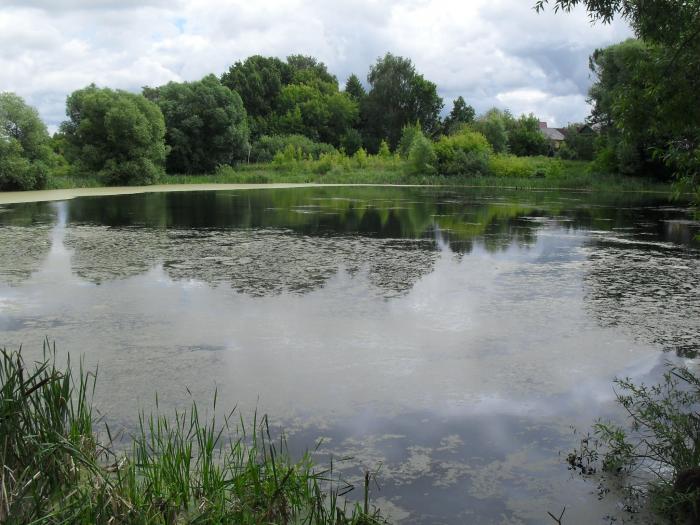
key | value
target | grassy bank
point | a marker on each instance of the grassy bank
(505, 172)
(187, 468)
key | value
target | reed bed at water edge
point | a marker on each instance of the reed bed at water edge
(183, 468)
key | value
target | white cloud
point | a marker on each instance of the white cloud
(492, 52)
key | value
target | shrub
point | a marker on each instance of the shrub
(421, 156)
(408, 133)
(384, 151)
(510, 166)
(265, 149)
(351, 141)
(19, 173)
(658, 443)
(465, 153)
(360, 157)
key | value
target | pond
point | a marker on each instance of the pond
(449, 337)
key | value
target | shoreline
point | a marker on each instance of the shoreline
(20, 197)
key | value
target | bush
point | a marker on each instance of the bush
(265, 149)
(384, 151)
(465, 153)
(659, 443)
(421, 156)
(351, 141)
(510, 166)
(360, 158)
(408, 133)
(19, 173)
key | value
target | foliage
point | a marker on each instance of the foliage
(421, 156)
(25, 153)
(116, 134)
(318, 110)
(654, 83)
(657, 451)
(307, 69)
(354, 88)
(384, 151)
(460, 115)
(265, 149)
(258, 80)
(494, 126)
(631, 129)
(398, 96)
(579, 143)
(510, 166)
(464, 153)
(351, 141)
(525, 138)
(408, 133)
(205, 124)
(180, 469)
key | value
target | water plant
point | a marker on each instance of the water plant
(185, 468)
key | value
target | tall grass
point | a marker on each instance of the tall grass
(186, 468)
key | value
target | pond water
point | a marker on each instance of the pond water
(452, 336)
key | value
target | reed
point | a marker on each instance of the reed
(183, 468)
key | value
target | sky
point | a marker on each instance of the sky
(492, 52)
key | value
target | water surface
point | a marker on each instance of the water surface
(451, 336)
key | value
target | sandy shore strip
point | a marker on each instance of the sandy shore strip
(15, 197)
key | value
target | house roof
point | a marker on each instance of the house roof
(552, 133)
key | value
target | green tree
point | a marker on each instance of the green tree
(205, 124)
(525, 138)
(118, 135)
(494, 126)
(626, 110)
(663, 90)
(355, 89)
(461, 114)
(318, 110)
(25, 152)
(398, 96)
(306, 68)
(258, 80)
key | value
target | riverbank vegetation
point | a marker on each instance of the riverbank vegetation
(273, 120)
(185, 468)
(655, 455)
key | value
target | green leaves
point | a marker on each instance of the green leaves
(398, 96)
(206, 124)
(117, 134)
(25, 154)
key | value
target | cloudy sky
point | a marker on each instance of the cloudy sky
(492, 52)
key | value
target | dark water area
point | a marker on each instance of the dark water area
(451, 336)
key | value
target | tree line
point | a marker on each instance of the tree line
(264, 105)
